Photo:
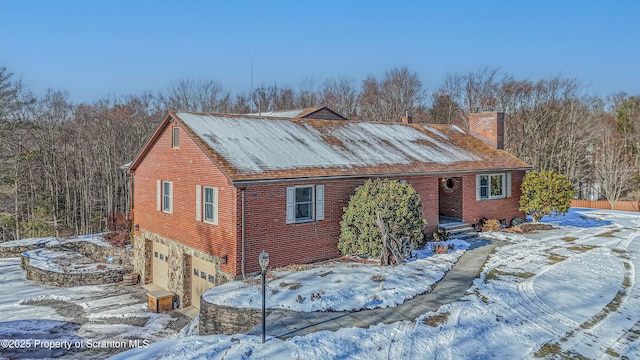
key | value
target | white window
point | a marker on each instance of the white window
(211, 205)
(304, 204)
(493, 186)
(164, 196)
(207, 204)
(175, 137)
(167, 196)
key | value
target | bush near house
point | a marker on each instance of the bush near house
(545, 192)
(491, 225)
(400, 207)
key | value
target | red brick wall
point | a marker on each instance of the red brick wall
(301, 243)
(506, 208)
(187, 167)
(488, 127)
(451, 199)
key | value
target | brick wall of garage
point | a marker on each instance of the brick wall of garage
(186, 166)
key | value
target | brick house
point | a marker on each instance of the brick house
(211, 191)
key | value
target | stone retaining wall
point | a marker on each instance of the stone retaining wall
(16, 251)
(218, 319)
(97, 253)
(75, 279)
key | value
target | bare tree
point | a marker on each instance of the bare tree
(341, 95)
(196, 95)
(444, 110)
(614, 168)
(389, 98)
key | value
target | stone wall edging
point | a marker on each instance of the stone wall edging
(68, 280)
(97, 253)
(219, 319)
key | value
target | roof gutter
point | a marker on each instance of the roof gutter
(341, 177)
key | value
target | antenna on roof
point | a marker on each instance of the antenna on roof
(251, 60)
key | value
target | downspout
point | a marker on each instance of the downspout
(244, 276)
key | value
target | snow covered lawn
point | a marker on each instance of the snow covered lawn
(96, 314)
(566, 292)
(66, 262)
(338, 286)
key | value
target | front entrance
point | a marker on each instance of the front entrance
(202, 279)
(160, 266)
(450, 198)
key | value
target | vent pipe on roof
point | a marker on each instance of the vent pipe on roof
(406, 119)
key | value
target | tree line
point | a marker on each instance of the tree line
(60, 161)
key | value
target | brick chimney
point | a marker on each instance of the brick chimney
(406, 119)
(488, 126)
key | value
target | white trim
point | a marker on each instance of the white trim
(198, 203)
(489, 196)
(215, 206)
(291, 205)
(167, 206)
(158, 195)
(508, 184)
(319, 202)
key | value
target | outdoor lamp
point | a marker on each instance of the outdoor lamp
(263, 259)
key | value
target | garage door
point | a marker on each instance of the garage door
(202, 279)
(160, 265)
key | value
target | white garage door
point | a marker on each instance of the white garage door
(160, 265)
(202, 279)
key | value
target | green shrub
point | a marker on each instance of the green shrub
(544, 192)
(400, 207)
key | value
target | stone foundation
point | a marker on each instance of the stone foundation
(180, 259)
(218, 319)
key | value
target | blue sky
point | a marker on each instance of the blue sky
(100, 48)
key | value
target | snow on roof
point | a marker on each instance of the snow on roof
(251, 146)
(285, 114)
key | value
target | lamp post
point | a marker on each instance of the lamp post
(264, 262)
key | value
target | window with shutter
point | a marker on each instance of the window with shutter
(305, 203)
(167, 197)
(492, 186)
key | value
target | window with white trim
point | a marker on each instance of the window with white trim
(305, 203)
(167, 196)
(164, 196)
(493, 186)
(210, 204)
(207, 204)
(175, 137)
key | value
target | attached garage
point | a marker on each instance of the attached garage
(202, 279)
(160, 265)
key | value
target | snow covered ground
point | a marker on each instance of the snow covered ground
(97, 239)
(93, 315)
(566, 292)
(331, 287)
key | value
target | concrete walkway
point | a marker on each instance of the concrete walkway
(286, 323)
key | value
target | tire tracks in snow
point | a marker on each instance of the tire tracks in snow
(530, 307)
(586, 333)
